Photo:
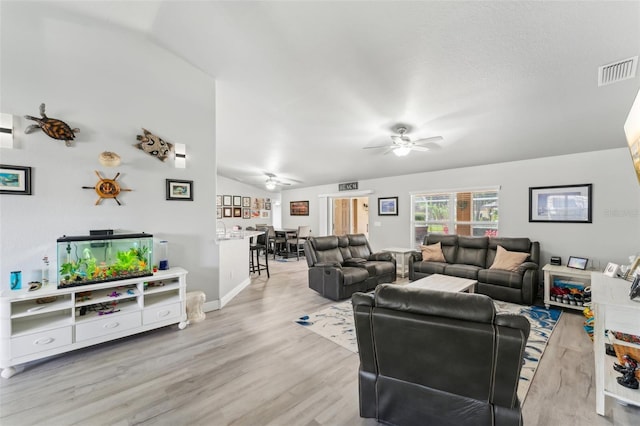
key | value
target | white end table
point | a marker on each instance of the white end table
(400, 254)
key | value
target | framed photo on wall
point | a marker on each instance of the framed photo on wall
(226, 200)
(226, 212)
(237, 212)
(179, 190)
(299, 208)
(246, 213)
(564, 203)
(15, 180)
(219, 213)
(237, 201)
(218, 200)
(388, 206)
(246, 201)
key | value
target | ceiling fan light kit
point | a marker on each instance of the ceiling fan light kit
(270, 184)
(402, 145)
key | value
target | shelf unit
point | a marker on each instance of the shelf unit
(31, 328)
(613, 310)
(558, 271)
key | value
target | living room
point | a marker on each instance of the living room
(111, 81)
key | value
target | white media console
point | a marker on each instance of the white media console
(33, 325)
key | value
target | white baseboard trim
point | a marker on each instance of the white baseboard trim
(214, 305)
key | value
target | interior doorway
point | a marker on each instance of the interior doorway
(350, 216)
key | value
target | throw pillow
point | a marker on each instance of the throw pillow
(432, 253)
(508, 260)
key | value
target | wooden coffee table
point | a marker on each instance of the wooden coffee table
(445, 283)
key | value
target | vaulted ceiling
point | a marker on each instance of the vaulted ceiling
(304, 86)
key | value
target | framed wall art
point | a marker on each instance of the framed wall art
(226, 212)
(15, 180)
(218, 200)
(237, 212)
(219, 213)
(237, 201)
(179, 190)
(388, 206)
(246, 213)
(564, 203)
(299, 208)
(226, 200)
(246, 201)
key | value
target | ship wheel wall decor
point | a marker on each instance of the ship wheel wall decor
(107, 188)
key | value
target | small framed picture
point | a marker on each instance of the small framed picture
(267, 205)
(246, 201)
(226, 212)
(226, 200)
(577, 262)
(218, 200)
(388, 206)
(15, 180)
(299, 208)
(179, 190)
(237, 212)
(237, 201)
(246, 213)
(611, 270)
(219, 213)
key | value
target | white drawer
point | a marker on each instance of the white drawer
(37, 342)
(105, 326)
(161, 313)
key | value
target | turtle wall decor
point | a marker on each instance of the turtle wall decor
(107, 188)
(52, 127)
(154, 145)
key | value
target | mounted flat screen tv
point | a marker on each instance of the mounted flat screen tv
(632, 131)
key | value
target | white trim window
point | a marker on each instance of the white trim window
(463, 212)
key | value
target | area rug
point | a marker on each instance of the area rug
(336, 324)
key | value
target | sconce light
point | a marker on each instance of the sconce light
(181, 155)
(6, 130)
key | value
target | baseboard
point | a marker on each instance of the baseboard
(234, 292)
(211, 306)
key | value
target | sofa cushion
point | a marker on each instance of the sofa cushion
(448, 243)
(326, 249)
(462, 271)
(343, 244)
(429, 267)
(354, 275)
(500, 278)
(432, 252)
(358, 246)
(512, 244)
(376, 268)
(472, 251)
(508, 260)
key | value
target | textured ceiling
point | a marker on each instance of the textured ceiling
(303, 86)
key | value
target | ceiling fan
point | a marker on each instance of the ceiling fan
(272, 182)
(401, 144)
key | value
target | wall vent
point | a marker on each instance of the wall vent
(617, 71)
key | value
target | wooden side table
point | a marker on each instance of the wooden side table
(400, 254)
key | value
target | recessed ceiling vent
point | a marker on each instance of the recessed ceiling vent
(617, 71)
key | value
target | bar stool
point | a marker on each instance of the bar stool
(262, 243)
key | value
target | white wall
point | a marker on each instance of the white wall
(612, 237)
(108, 82)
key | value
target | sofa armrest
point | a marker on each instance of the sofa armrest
(381, 255)
(526, 266)
(416, 256)
(355, 261)
(328, 265)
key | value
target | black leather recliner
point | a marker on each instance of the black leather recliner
(437, 358)
(342, 265)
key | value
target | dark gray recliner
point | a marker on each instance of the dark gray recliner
(436, 358)
(342, 265)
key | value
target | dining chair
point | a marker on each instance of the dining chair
(304, 232)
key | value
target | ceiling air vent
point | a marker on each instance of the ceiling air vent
(617, 71)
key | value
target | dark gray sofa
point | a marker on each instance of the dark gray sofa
(471, 257)
(456, 362)
(342, 265)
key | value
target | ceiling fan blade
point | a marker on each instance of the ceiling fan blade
(420, 148)
(378, 146)
(428, 140)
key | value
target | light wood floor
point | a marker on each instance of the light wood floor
(250, 364)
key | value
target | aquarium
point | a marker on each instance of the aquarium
(99, 258)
